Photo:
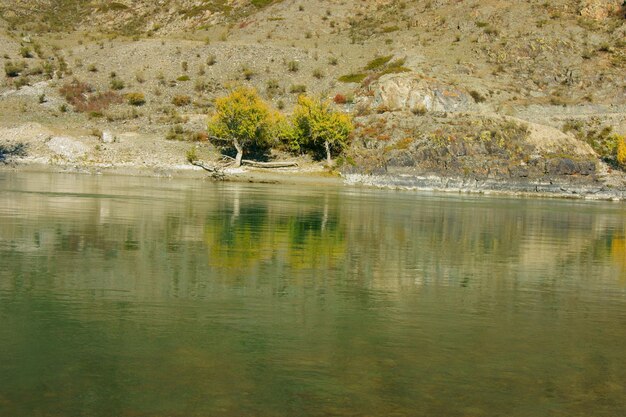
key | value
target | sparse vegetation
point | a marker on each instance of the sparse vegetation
(85, 100)
(488, 53)
(608, 144)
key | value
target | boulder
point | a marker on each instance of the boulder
(412, 92)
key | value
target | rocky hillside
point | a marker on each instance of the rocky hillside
(425, 80)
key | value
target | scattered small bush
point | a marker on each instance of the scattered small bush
(25, 52)
(14, 69)
(419, 109)
(352, 78)
(478, 98)
(181, 100)
(247, 73)
(378, 62)
(183, 78)
(293, 66)
(80, 96)
(75, 91)
(318, 73)
(117, 84)
(135, 99)
(340, 99)
(297, 89)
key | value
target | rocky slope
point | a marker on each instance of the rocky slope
(476, 90)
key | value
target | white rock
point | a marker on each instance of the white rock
(108, 137)
(67, 147)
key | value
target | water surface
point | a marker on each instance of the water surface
(124, 296)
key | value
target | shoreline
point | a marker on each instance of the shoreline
(318, 177)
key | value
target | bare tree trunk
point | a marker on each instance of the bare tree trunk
(329, 160)
(239, 156)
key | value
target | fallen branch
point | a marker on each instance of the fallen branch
(256, 164)
(216, 171)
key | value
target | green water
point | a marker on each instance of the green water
(145, 297)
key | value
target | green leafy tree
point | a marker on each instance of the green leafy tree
(318, 125)
(243, 119)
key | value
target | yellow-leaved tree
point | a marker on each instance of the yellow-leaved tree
(317, 125)
(621, 151)
(243, 119)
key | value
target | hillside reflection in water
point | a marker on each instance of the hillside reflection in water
(147, 297)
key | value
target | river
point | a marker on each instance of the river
(144, 297)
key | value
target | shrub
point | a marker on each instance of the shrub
(419, 109)
(273, 85)
(79, 95)
(13, 69)
(340, 99)
(297, 89)
(478, 98)
(247, 73)
(293, 66)
(95, 104)
(75, 91)
(183, 78)
(25, 52)
(318, 73)
(378, 62)
(117, 84)
(135, 99)
(352, 78)
(181, 100)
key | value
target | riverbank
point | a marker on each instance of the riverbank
(318, 175)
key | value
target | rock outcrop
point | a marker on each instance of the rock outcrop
(600, 9)
(412, 92)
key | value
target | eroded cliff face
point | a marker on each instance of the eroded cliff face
(417, 132)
